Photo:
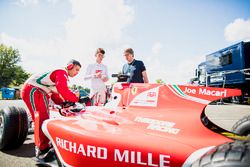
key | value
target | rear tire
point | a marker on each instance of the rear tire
(13, 127)
(242, 127)
(234, 154)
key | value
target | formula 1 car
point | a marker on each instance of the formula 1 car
(143, 125)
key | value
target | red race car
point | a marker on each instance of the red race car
(146, 125)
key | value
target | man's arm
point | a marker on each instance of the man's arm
(104, 79)
(145, 76)
(88, 74)
(123, 71)
(56, 98)
(105, 75)
(144, 73)
(62, 86)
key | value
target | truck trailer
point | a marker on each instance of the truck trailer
(229, 68)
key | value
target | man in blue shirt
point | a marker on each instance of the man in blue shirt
(134, 68)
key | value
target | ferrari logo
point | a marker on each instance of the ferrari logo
(134, 90)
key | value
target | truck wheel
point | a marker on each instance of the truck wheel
(13, 127)
(237, 100)
(242, 127)
(226, 155)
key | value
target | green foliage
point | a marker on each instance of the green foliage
(21, 76)
(192, 80)
(160, 81)
(10, 72)
(82, 88)
(73, 87)
(78, 87)
(87, 90)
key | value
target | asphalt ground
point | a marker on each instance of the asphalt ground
(222, 115)
(226, 115)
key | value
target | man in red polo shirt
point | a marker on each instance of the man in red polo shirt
(36, 93)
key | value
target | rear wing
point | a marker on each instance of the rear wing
(208, 94)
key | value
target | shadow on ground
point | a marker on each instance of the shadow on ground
(27, 150)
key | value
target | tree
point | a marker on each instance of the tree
(160, 81)
(10, 72)
(193, 80)
(87, 90)
(73, 87)
(21, 76)
(79, 87)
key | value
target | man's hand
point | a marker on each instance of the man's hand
(77, 94)
(104, 78)
(67, 104)
(98, 75)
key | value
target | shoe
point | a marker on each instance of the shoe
(47, 155)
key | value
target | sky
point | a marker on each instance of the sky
(171, 37)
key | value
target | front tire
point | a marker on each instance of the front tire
(13, 127)
(234, 154)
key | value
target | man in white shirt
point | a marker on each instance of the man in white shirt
(98, 74)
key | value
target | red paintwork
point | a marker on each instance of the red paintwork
(122, 135)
